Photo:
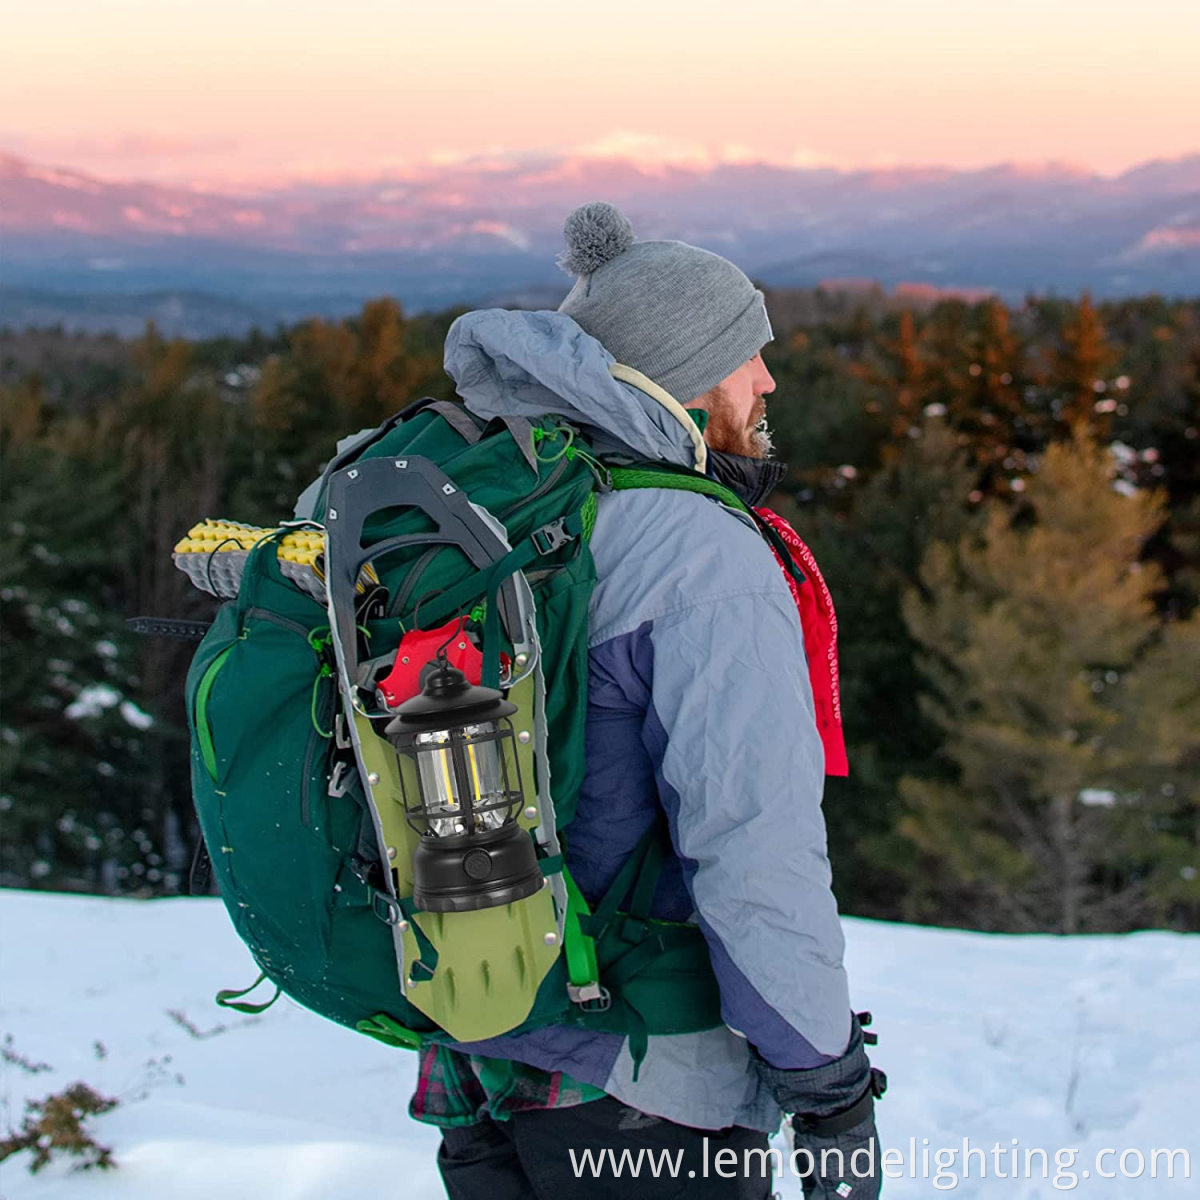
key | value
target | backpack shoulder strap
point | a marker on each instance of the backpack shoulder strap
(680, 479)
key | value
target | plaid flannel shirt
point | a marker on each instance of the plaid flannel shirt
(462, 1089)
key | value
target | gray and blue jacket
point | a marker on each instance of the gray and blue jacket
(699, 706)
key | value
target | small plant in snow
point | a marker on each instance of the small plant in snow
(55, 1126)
(16, 1059)
(191, 1028)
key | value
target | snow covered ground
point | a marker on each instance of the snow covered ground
(1089, 1044)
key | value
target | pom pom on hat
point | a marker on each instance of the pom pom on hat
(683, 316)
(596, 233)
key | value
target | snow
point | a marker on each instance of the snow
(96, 698)
(1087, 1042)
(135, 716)
(1098, 797)
(92, 701)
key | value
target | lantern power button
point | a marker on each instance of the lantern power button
(477, 863)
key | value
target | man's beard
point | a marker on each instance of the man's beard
(763, 445)
(727, 433)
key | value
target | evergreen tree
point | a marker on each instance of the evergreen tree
(825, 416)
(946, 346)
(993, 409)
(911, 376)
(168, 436)
(336, 378)
(870, 555)
(1076, 372)
(73, 739)
(899, 376)
(1037, 635)
(110, 450)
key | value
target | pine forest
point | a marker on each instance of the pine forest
(1005, 502)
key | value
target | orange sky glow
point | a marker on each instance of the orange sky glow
(260, 91)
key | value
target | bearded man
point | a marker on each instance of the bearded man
(704, 716)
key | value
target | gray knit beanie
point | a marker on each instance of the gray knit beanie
(685, 317)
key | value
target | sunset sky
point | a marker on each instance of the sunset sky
(262, 90)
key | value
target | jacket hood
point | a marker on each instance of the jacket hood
(529, 364)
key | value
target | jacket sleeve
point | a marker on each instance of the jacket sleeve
(740, 771)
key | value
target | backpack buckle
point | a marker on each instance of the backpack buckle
(590, 997)
(387, 908)
(551, 537)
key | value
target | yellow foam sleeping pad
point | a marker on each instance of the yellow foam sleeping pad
(214, 554)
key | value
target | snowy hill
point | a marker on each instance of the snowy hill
(1087, 1043)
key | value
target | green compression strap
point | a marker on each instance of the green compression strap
(229, 997)
(627, 877)
(513, 561)
(639, 1036)
(488, 582)
(389, 1031)
(633, 943)
(426, 965)
(579, 949)
(658, 939)
(646, 883)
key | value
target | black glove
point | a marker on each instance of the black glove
(834, 1107)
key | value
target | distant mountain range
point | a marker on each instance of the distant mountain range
(99, 254)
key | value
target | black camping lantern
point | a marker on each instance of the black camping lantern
(472, 853)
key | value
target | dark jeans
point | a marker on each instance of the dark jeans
(529, 1156)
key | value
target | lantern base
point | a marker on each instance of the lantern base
(472, 871)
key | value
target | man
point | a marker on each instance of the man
(700, 707)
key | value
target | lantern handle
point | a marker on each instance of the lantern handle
(441, 650)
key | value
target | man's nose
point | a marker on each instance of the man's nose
(766, 383)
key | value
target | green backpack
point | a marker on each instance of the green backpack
(433, 517)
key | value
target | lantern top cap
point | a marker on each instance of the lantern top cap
(448, 699)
